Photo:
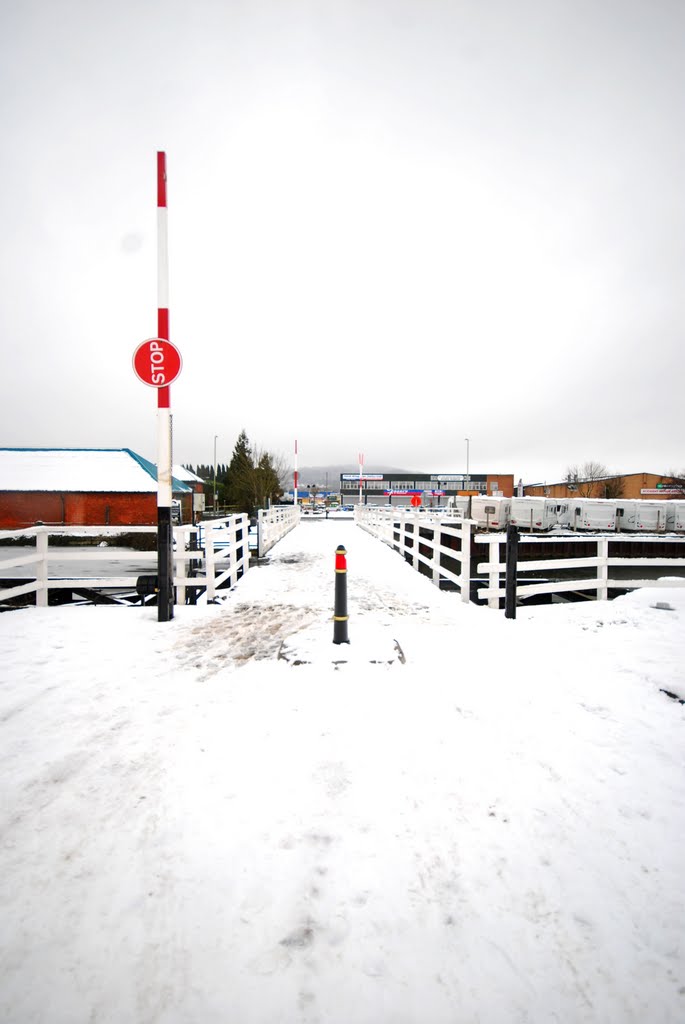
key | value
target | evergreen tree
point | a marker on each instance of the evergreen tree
(240, 489)
(267, 486)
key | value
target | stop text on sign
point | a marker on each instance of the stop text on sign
(157, 362)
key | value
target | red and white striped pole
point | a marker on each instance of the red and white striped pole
(361, 476)
(295, 476)
(165, 576)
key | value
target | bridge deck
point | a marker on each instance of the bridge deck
(284, 606)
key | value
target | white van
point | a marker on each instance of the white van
(492, 513)
(675, 516)
(590, 514)
(646, 516)
(531, 513)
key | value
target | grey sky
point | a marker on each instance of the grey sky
(392, 225)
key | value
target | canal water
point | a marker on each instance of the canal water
(136, 565)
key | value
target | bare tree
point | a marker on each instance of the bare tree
(614, 487)
(677, 480)
(589, 480)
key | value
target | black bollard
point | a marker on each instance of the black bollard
(511, 562)
(340, 616)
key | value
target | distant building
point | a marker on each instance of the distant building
(627, 485)
(81, 487)
(197, 486)
(393, 488)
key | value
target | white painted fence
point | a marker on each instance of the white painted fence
(222, 557)
(224, 549)
(600, 581)
(273, 524)
(401, 530)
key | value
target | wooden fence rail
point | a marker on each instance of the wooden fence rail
(423, 539)
(430, 540)
(600, 581)
(273, 524)
(206, 557)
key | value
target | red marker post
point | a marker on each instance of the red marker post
(165, 547)
(157, 363)
(340, 616)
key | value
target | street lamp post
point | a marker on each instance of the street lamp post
(215, 440)
(468, 488)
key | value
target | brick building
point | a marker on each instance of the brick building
(81, 487)
(627, 485)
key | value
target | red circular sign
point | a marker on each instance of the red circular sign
(157, 362)
(416, 500)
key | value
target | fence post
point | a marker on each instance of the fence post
(209, 560)
(465, 561)
(602, 568)
(42, 567)
(245, 547)
(179, 536)
(417, 537)
(511, 561)
(437, 539)
(260, 533)
(192, 566)
(493, 574)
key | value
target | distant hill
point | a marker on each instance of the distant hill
(320, 474)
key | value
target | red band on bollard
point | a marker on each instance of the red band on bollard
(340, 560)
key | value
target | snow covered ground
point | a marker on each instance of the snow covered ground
(456, 818)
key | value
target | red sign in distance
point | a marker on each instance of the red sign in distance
(416, 500)
(157, 362)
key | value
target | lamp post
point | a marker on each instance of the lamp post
(215, 440)
(468, 488)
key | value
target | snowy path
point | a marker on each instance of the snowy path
(196, 829)
(282, 607)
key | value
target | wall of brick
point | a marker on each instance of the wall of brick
(504, 482)
(632, 485)
(20, 509)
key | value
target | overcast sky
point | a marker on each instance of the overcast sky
(393, 224)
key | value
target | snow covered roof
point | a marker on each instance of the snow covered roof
(181, 473)
(85, 470)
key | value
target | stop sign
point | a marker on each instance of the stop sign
(157, 362)
(416, 500)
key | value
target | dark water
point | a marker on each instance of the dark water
(138, 564)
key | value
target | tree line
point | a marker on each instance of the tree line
(253, 479)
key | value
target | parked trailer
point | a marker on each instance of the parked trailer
(459, 505)
(590, 514)
(675, 516)
(492, 513)
(530, 513)
(647, 516)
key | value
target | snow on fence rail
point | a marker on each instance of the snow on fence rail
(421, 539)
(220, 556)
(273, 524)
(600, 582)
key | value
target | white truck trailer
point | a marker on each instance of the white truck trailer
(590, 514)
(641, 516)
(492, 513)
(458, 505)
(533, 513)
(675, 516)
